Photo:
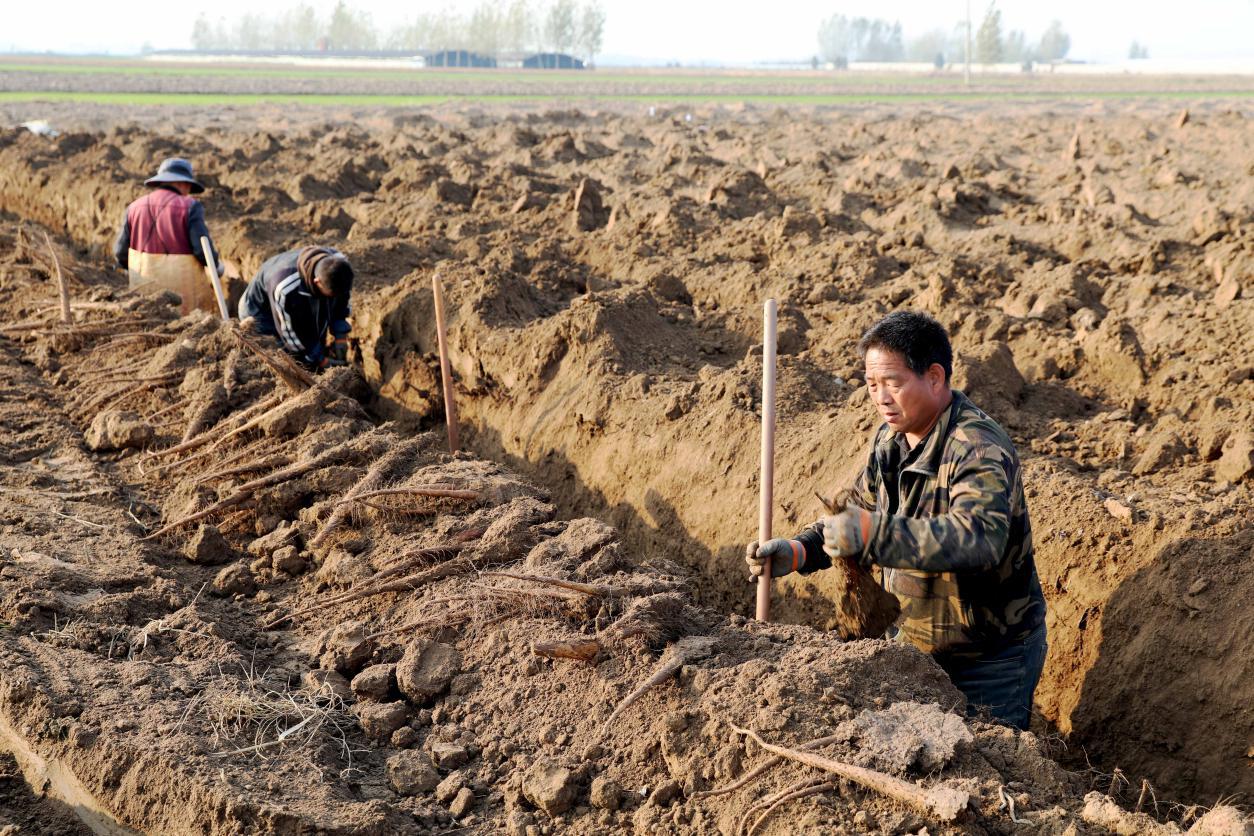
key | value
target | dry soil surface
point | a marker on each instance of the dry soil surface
(605, 274)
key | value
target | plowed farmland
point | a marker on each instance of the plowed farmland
(238, 598)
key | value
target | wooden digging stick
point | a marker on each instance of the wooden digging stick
(766, 497)
(211, 267)
(446, 372)
(62, 288)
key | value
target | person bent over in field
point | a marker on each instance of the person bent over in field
(158, 243)
(298, 297)
(940, 508)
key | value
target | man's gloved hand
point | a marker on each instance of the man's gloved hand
(786, 556)
(845, 534)
(339, 350)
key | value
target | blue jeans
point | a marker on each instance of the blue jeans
(1001, 682)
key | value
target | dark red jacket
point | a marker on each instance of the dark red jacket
(162, 222)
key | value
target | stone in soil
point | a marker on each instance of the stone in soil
(208, 547)
(410, 773)
(346, 649)
(426, 670)
(115, 430)
(605, 793)
(380, 720)
(550, 787)
(235, 580)
(374, 682)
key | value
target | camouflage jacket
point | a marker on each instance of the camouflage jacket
(957, 550)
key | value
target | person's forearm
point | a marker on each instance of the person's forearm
(197, 229)
(811, 540)
(122, 244)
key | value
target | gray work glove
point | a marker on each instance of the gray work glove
(844, 534)
(786, 556)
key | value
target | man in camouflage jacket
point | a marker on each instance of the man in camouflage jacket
(940, 508)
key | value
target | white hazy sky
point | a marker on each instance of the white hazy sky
(689, 31)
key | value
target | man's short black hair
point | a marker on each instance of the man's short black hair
(337, 273)
(917, 337)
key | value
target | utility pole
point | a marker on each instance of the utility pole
(967, 72)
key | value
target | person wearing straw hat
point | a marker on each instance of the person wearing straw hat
(159, 242)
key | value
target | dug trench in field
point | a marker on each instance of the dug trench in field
(569, 342)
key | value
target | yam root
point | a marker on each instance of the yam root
(247, 489)
(800, 789)
(377, 472)
(583, 650)
(765, 766)
(215, 432)
(285, 369)
(451, 566)
(944, 803)
(585, 588)
(679, 654)
(864, 609)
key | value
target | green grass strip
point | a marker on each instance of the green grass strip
(244, 99)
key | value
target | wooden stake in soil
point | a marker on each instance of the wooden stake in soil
(766, 498)
(211, 268)
(446, 373)
(62, 289)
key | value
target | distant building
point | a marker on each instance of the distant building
(552, 61)
(458, 58)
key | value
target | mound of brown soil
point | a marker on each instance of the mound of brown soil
(1096, 303)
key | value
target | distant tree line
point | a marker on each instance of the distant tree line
(575, 27)
(843, 39)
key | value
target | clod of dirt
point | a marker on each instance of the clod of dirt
(235, 580)
(573, 548)
(988, 375)
(117, 430)
(208, 547)
(411, 773)
(605, 793)
(293, 416)
(345, 648)
(327, 684)
(375, 682)
(379, 720)
(450, 755)
(289, 559)
(1114, 354)
(550, 787)
(341, 569)
(1237, 460)
(1223, 821)
(283, 535)
(426, 670)
(462, 803)
(906, 737)
(1162, 450)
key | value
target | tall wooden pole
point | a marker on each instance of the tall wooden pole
(211, 266)
(767, 491)
(446, 372)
